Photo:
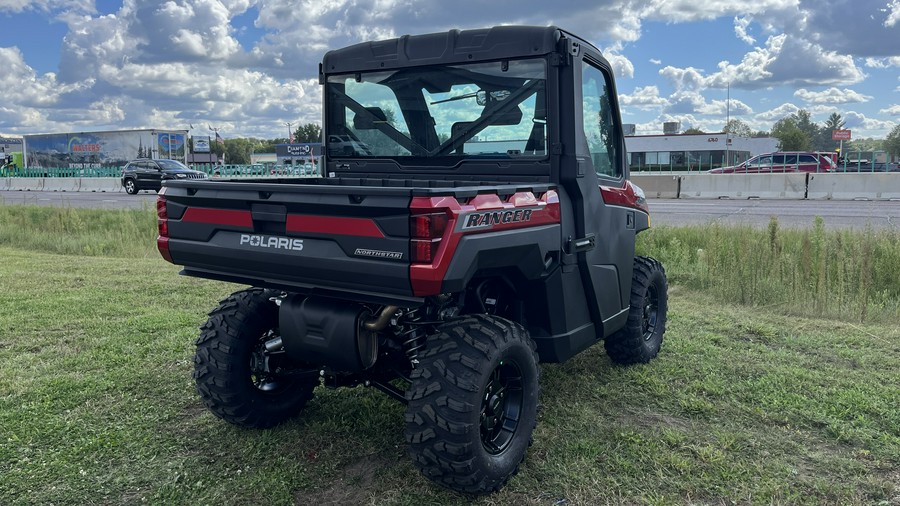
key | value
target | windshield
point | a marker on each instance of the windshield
(171, 165)
(483, 110)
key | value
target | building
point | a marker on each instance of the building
(289, 156)
(693, 152)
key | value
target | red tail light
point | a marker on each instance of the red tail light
(428, 226)
(426, 231)
(162, 222)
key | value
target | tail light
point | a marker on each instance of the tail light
(426, 231)
(162, 222)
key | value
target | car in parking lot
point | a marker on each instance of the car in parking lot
(148, 174)
(780, 162)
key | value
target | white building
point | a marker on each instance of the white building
(681, 152)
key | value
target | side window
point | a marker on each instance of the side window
(599, 127)
(778, 160)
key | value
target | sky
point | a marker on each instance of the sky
(247, 68)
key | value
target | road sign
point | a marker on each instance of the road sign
(840, 135)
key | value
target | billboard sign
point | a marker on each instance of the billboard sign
(840, 135)
(201, 144)
(102, 149)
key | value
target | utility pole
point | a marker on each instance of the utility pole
(290, 132)
(728, 120)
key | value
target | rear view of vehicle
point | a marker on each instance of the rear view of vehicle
(475, 219)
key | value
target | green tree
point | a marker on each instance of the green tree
(309, 132)
(693, 131)
(790, 136)
(824, 142)
(738, 128)
(237, 151)
(892, 141)
(812, 131)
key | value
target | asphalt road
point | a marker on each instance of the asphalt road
(791, 213)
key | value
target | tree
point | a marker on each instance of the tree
(790, 136)
(693, 131)
(738, 128)
(237, 151)
(309, 132)
(892, 142)
(824, 142)
(803, 121)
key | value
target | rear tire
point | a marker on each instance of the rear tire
(473, 404)
(641, 337)
(237, 378)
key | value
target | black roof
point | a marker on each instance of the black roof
(455, 46)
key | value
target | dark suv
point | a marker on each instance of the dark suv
(148, 174)
(785, 161)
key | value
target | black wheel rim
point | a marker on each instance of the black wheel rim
(264, 366)
(650, 313)
(501, 407)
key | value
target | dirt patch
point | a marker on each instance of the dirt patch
(352, 486)
(653, 419)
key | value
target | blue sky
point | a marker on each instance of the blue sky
(247, 67)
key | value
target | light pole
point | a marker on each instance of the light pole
(290, 133)
(216, 140)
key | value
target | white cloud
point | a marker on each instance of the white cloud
(831, 96)
(784, 61)
(740, 29)
(645, 98)
(176, 61)
(855, 120)
(893, 110)
(621, 65)
(777, 113)
(883, 63)
(893, 10)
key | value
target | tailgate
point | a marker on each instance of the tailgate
(296, 237)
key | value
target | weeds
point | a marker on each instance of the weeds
(841, 274)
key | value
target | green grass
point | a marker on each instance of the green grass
(746, 403)
(840, 274)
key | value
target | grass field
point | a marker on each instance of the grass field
(750, 403)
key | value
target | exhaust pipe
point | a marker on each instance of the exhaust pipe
(381, 322)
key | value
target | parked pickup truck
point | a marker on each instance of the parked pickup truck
(478, 221)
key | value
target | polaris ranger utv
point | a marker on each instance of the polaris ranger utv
(475, 219)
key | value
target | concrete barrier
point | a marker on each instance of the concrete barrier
(4, 184)
(26, 184)
(62, 184)
(101, 184)
(657, 186)
(744, 186)
(884, 186)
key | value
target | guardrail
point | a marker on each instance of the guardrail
(791, 186)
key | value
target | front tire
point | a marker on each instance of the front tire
(641, 337)
(130, 187)
(473, 403)
(237, 378)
